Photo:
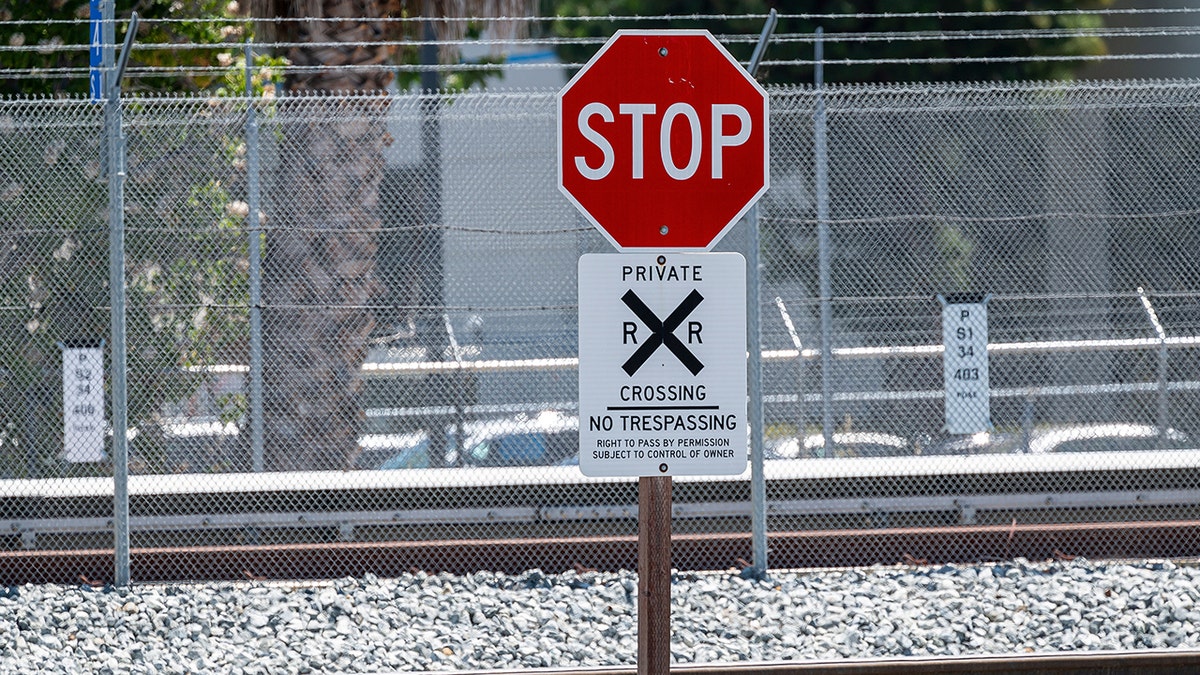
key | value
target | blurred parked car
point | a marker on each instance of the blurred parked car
(845, 444)
(1106, 438)
(201, 444)
(982, 443)
(1117, 436)
(547, 438)
(393, 451)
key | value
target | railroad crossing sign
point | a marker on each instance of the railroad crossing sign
(662, 364)
(662, 140)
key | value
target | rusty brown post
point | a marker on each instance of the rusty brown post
(654, 575)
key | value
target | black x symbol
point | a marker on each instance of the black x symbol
(662, 332)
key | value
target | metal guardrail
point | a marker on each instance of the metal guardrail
(967, 508)
(964, 509)
(451, 478)
(417, 368)
(398, 369)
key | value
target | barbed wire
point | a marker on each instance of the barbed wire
(997, 219)
(175, 71)
(999, 34)
(808, 38)
(932, 60)
(977, 33)
(248, 21)
(630, 18)
(1100, 11)
(211, 71)
(503, 46)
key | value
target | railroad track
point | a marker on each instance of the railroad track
(934, 545)
(821, 513)
(1176, 662)
(708, 551)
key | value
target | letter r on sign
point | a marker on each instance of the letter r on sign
(629, 330)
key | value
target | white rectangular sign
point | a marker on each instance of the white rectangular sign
(965, 367)
(83, 404)
(662, 364)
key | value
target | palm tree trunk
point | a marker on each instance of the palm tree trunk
(319, 277)
(319, 281)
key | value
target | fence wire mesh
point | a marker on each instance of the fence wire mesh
(418, 319)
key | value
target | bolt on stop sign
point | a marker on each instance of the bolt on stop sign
(662, 140)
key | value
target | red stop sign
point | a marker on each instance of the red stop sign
(662, 140)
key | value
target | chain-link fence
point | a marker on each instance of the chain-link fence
(358, 323)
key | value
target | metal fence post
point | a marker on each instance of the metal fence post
(431, 259)
(253, 198)
(799, 345)
(824, 254)
(116, 289)
(758, 488)
(1161, 333)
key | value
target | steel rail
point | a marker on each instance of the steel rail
(1149, 662)
(713, 551)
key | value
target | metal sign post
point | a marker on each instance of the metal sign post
(662, 144)
(654, 575)
(662, 382)
(116, 270)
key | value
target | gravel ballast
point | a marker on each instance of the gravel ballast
(534, 620)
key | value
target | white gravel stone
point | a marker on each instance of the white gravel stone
(493, 621)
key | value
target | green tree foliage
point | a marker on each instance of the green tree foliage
(53, 281)
(840, 45)
(185, 268)
(52, 36)
(185, 243)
